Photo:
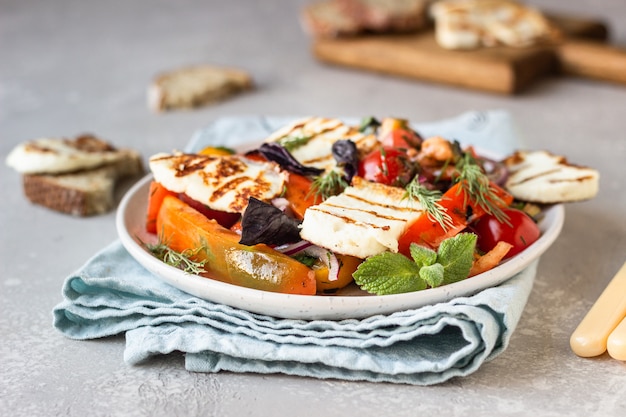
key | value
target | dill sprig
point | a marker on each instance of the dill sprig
(430, 202)
(477, 186)
(181, 260)
(294, 141)
(328, 184)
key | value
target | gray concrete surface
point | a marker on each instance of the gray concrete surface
(70, 66)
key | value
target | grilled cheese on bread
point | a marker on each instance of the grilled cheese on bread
(74, 176)
(60, 155)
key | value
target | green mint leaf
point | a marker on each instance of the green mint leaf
(456, 255)
(394, 273)
(433, 274)
(389, 273)
(422, 256)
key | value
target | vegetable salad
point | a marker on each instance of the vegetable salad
(452, 217)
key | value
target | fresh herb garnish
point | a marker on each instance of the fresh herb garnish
(305, 259)
(394, 273)
(294, 141)
(477, 186)
(383, 160)
(369, 125)
(182, 260)
(328, 184)
(430, 202)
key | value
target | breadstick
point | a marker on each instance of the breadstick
(590, 337)
(616, 344)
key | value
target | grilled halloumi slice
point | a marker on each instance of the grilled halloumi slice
(59, 155)
(468, 24)
(542, 177)
(365, 220)
(223, 183)
(310, 140)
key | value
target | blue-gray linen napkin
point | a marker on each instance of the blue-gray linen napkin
(112, 294)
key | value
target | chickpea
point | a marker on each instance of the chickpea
(437, 149)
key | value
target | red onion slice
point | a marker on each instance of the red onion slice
(496, 170)
(324, 255)
(328, 258)
(294, 248)
(281, 203)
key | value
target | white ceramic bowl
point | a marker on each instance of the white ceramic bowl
(130, 224)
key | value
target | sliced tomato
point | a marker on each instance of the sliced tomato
(156, 194)
(461, 209)
(298, 193)
(521, 231)
(387, 165)
(256, 156)
(237, 228)
(398, 134)
(259, 266)
(348, 264)
(400, 138)
(225, 219)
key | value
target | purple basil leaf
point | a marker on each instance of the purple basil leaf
(346, 155)
(264, 223)
(276, 153)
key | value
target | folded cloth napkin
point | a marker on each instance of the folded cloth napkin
(112, 294)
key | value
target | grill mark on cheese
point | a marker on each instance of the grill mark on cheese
(185, 164)
(348, 219)
(223, 183)
(33, 147)
(374, 203)
(536, 176)
(90, 143)
(365, 220)
(359, 141)
(83, 143)
(321, 134)
(318, 135)
(578, 179)
(227, 167)
(552, 180)
(259, 187)
(543, 177)
(329, 127)
(227, 187)
(187, 168)
(317, 160)
(370, 212)
(300, 126)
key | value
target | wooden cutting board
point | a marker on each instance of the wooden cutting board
(499, 69)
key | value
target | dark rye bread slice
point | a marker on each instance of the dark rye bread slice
(82, 193)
